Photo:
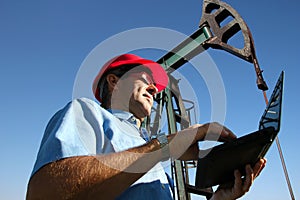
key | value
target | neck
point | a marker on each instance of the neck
(138, 123)
(139, 120)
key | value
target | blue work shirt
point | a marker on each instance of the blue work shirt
(84, 128)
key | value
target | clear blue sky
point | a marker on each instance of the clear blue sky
(44, 43)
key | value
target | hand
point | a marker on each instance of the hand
(184, 144)
(214, 132)
(240, 186)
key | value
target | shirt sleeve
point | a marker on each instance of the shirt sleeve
(75, 130)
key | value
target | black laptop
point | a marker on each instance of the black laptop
(216, 165)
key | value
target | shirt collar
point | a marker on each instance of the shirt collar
(124, 115)
(127, 116)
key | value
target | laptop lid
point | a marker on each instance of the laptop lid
(272, 115)
(218, 163)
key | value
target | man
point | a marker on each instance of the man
(101, 152)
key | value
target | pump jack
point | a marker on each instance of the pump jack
(209, 35)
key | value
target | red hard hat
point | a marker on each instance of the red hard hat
(159, 75)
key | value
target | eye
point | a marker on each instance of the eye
(146, 79)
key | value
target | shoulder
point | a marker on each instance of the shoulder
(89, 110)
(77, 110)
(85, 105)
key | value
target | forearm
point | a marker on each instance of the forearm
(90, 176)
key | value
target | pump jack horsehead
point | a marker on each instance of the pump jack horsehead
(210, 34)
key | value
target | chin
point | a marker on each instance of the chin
(148, 110)
(141, 108)
(146, 113)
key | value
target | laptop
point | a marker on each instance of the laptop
(216, 165)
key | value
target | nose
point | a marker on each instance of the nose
(152, 89)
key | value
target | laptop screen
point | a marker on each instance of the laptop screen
(272, 114)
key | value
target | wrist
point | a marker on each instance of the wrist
(163, 144)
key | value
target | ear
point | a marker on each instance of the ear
(112, 81)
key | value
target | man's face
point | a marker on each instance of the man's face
(135, 93)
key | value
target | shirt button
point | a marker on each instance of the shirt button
(133, 119)
(163, 186)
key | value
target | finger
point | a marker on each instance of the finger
(248, 179)
(237, 180)
(217, 132)
(237, 187)
(258, 167)
(227, 137)
(227, 133)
